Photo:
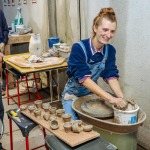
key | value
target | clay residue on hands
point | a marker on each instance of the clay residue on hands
(129, 106)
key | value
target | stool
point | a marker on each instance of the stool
(25, 126)
(54, 143)
(17, 75)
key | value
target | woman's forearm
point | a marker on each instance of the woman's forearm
(93, 87)
(115, 87)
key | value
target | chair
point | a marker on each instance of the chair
(25, 125)
(17, 76)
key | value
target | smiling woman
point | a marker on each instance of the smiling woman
(93, 58)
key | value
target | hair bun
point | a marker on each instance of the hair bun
(106, 11)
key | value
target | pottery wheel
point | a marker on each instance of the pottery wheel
(97, 108)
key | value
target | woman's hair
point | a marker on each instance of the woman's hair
(107, 13)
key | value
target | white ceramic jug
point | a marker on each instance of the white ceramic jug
(35, 45)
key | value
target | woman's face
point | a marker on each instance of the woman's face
(105, 31)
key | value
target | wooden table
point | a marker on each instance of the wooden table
(34, 70)
(16, 39)
(71, 138)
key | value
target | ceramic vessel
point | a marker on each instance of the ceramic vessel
(46, 116)
(78, 121)
(60, 112)
(66, 117)
(37, 112)
(52, 110)
(87, 128)
(53, 117)
(23, 107)
(45, 104)
(38, 103)
(54, 124)
(46, 108)
(31, 108)
(76, 128)
(67, 126)
(35, 45)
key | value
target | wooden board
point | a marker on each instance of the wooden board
(21, 61)
(72, 139)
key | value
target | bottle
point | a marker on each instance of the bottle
(18, 18)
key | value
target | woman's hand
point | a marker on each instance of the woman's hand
(119, 102)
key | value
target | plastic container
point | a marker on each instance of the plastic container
(126, 117)
(52, 40)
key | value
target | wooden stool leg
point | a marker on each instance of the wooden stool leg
(11, 136)
(27, 143)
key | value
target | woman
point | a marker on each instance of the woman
(93, 58)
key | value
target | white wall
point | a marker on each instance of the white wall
(34, 15)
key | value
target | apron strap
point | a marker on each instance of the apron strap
(83, 48)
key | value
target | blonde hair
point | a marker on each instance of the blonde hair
(107, 13)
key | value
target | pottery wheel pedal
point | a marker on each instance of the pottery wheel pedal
(97, 108)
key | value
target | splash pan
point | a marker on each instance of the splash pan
(106, 124)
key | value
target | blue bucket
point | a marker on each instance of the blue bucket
(52, 40)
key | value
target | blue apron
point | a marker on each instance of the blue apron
(74, 88)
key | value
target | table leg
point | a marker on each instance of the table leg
(51, 85)
(58, 86)
(27, 143)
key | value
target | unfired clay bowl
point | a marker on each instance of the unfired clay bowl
(31, 108)
(37, 112)
(60, 112)
(52, 110)
(54, 124)
(67, 126)
(76, 128)
(23, 107)
(46, 108)
(52, 117)
(38, 103)
(46, 116)
(87, 128)
(78, 121)
(66, 117)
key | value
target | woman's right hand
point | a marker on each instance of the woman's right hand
(119, 102)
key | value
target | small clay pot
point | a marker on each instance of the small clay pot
(46, 116)
(52, 110)
(23, 107)
(66, 117)
(60, 112)
(76, 128)
(31, 108)
(46, 108)
(45, 104)
(52, 117)
(37, 112)
(78, 121)
(87, 128)
(67, 126)
(38, 103)
(54, 124)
